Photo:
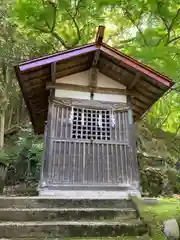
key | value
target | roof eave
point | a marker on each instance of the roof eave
(18, 76)
(138, 66)
(65, 55)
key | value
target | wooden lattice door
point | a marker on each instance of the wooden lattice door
(89, 146)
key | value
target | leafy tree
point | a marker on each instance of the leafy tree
(68, 22)
(147, 30)
(15, 44)
(153, 37)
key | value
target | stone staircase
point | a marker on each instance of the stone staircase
(53, 218)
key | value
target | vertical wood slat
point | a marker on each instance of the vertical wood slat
(132, 144)
(50, 133)
(86, 162)
(71, 165)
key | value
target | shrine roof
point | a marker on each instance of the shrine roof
(145, 84)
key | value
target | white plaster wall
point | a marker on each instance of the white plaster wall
(110, 97)
(104, 81)
(60, 93)
(78, 79)
(82, 78)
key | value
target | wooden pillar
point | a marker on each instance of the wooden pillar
(132, 142)
(47, 146)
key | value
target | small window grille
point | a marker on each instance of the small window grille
(91, 124)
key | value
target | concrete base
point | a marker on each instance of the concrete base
(72, 194)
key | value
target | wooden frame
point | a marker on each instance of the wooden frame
(83, 88)
(136, 79)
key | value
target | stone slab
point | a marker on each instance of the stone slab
(88, 194)
(72, 229)
(62, 214)
(56, 202)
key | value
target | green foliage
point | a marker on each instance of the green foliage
(158, 181)
(54, 18)
(177, 186)
(25, 157)
(148, 30)
(4, 159)
(158, 152)
(155, 215)
(152, 180)
(171, 175)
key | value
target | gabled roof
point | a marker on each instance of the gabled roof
(146, 84)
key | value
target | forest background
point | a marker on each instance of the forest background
(148, 30)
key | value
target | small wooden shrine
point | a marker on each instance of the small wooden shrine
(85, 101)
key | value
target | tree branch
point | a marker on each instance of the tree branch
(124, 42)
(173, 19)
(165, 118)
(42, 30)
(174, 39)
(169, 27)
(77, 28)
(54, 16)
(177, 130)
(49, 43)
(128, 40)
(166, 24)
(128, 14)
(56, 35)
(77, 8)
(51, 28)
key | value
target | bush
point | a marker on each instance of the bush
(177, 186)
(34, 157)
(25, 157)
(170, 181)
(152, 180)
(4, 158)
(155, 181)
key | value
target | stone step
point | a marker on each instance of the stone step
(62, 214)
(143, 237)
(71, 229)
(53, 202)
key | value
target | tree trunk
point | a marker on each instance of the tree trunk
(10, 117)
(2, 129)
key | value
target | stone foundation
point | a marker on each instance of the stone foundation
(82, 194)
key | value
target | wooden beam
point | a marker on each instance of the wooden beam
(135, 80)
(117, 73)
(100, 35)
(83, 88)
(53, 79)
(96, 58)
(93, 72)
(53, 72)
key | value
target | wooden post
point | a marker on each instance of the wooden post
(100, 35)
(132, 142)
(53, 78)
